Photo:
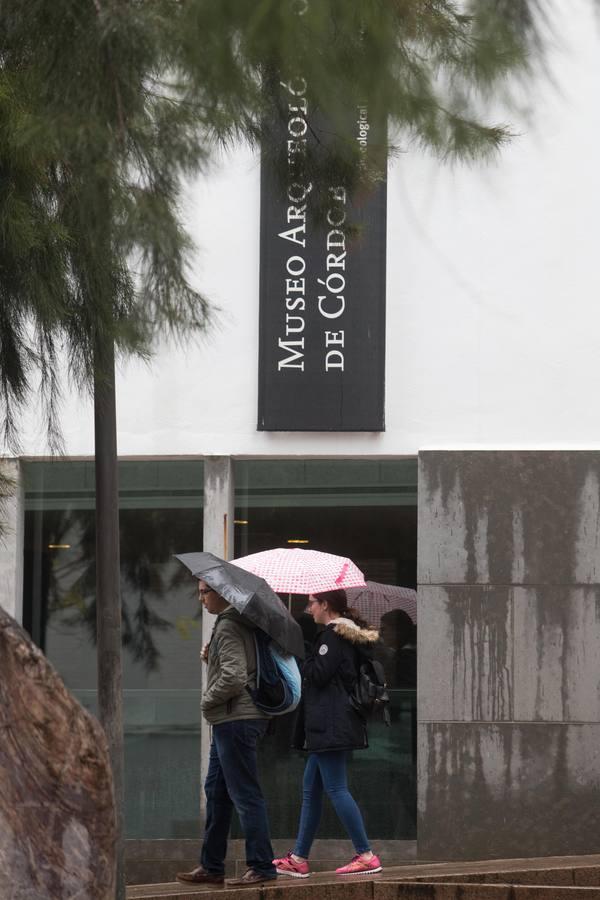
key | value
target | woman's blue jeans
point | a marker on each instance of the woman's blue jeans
(326, 771)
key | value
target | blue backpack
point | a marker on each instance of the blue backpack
(278, 681)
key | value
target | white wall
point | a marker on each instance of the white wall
(493, 286)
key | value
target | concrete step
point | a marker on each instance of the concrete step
(449, 891)
(545, 878)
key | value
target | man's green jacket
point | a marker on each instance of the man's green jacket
(230, 670)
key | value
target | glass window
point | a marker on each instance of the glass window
(367, 510)
(160, 514)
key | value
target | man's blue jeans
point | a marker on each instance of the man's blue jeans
(232, 780)
(326, 771)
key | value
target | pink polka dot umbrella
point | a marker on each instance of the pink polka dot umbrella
(290, 570)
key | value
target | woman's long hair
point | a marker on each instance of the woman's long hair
(338, 603)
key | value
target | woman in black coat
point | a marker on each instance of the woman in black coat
(328, 727)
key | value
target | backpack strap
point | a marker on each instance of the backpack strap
(257, 673)
(257, 654)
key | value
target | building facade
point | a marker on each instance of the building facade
(483, 490)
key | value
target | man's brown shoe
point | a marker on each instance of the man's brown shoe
(249, 879)
(200, 876)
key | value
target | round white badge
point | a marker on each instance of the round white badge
(323, 649)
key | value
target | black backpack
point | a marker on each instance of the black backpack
(369, 695)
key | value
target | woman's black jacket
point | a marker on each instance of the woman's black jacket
(326, 718)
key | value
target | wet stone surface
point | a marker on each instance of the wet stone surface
(509, 652)
(516, 789)
(509, 517)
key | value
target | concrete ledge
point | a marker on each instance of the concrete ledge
(551, 878)
(181, 892)
(358, 887)
(368, 888)
(586, 876)
(438, 891)
(531, 892)
(461, 891)
(557, 877)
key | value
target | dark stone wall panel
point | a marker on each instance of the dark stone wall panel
(497, 653)
(509, 653)
(557, 654)
(491, 791)
(465, 653)
(509, 517)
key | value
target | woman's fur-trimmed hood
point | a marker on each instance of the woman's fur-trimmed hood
(352, 632)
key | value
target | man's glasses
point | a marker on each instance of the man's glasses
(204, 591)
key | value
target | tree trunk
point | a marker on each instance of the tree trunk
(108, 594)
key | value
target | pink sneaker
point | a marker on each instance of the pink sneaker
(361, 866)
(287, 865)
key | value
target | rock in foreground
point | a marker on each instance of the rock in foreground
(57, 820)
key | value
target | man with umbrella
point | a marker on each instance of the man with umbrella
(237, 726)
(242, 602)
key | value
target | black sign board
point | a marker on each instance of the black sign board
(322, 296)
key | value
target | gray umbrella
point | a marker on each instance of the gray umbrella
(250, 595)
